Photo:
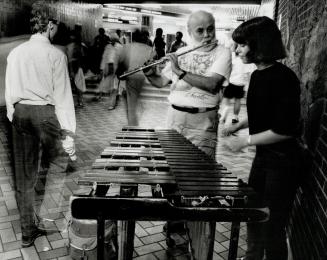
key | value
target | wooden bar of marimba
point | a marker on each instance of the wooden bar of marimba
(187, 185)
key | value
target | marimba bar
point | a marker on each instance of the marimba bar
(192, 186)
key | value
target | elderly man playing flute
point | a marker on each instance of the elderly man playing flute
(197, 77)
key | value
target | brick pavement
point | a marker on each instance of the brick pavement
(96, 126)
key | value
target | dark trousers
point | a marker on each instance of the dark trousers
(36, 135)
(274, 176)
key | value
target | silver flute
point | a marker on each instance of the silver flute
(164, 59)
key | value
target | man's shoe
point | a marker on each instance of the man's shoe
(28, 241)
(235, 121)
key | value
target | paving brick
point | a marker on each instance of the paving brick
(10, 254)
(146, 257)
(12, 245)
(59, 243)
(5, 225)
(153, 238)
(59, 252)
(218, 247)
(154, 230)
(7, 235)
(30, 253)
(42, 244)
(146, 249)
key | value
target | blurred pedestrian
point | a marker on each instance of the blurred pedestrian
(40, 107)
(178, 43)
(99, 44)
(159, 44)
(135, 55)
(75, 55)
(109, 64)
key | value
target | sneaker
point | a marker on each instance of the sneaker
(28, 241)
(235, 121)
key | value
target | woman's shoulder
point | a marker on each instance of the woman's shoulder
(285, 72)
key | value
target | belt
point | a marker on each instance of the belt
(194, 110)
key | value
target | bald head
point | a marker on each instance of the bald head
(201, 26)
(198, 17)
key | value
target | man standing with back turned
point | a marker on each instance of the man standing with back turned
(40, 106)
(197, 79)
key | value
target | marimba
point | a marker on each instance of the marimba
(187, 185)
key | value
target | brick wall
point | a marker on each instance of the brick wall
(304, 27)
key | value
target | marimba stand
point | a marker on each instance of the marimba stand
(183, 171)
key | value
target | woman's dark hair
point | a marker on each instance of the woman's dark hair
(263, 37)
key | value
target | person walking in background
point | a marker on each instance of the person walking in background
(159, 44)
(147, 36)
(99, 44)
(75, 55)
(121, 36)
(273, 107)
(238, 81)
(40, 107)
(197, 78)
(178, 43)
(135, 55)
(109, 64)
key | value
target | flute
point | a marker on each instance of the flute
(164, 59)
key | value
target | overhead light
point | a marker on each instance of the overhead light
(150, 5)
(150, 12)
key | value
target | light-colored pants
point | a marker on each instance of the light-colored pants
(200, 128)
(134, 86)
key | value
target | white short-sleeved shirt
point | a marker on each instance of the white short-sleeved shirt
(218, 61)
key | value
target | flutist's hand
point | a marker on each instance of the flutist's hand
(172, 57)
(148, 71)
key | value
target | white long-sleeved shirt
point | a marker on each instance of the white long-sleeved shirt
(37, 74)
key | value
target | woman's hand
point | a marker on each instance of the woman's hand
(229, 130)
(235, 144)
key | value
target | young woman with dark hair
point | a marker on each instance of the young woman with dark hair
(273, 107)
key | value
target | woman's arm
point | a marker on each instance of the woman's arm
(263, 138)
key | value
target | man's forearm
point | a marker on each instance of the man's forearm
(211, 84)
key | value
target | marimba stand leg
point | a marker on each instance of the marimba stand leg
(202, 238)
(126, 229)
(100, 237)
(233, 241)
